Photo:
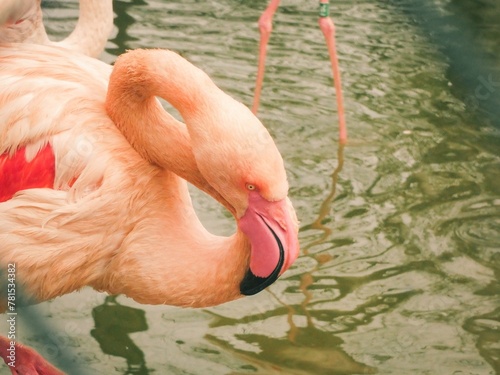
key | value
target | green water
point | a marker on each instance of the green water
(400, 262)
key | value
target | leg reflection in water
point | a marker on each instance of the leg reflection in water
(113, 324)
(306, 349)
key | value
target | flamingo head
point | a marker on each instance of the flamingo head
(238, 157)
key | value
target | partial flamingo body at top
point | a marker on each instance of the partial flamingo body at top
(22, 21)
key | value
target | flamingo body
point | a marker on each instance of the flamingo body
(123, 222)
(93, 185)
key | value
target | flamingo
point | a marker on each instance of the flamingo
(328, 29)
(22, 21)
(93, 181)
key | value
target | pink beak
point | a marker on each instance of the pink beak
(272, 230)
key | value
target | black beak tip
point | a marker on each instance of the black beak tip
(252, 284)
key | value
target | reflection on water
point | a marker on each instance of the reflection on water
(400, 264)
(113, 325)
(122, 22)
(487, 328)
(304, 349)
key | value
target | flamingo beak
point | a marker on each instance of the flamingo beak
(272, 230)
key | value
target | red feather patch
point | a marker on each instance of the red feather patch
(17, 174)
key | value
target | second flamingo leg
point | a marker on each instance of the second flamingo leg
(265, 28)
(328, 28)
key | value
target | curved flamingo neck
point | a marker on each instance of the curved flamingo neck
(198, 270)
(22, 21)
(92, 29)
(140, 74)
(156, 135)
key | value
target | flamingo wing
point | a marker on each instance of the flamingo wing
(62, 161)
(16, 173)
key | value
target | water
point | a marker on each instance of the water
(400, 230)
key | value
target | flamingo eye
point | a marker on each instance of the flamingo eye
(251, 187)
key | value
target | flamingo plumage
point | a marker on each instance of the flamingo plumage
(22, 21)
(118, 217)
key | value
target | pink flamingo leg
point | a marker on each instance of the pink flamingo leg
(327, 27)
(265, 27)
(26, 360)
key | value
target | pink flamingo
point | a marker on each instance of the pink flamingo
(328, 28)
(96, 198)
(22, 21)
